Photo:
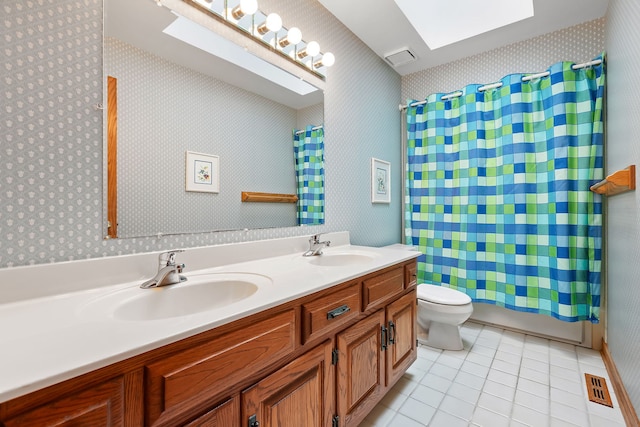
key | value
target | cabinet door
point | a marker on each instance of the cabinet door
(193, 378)
(100, 406)
(361, 368)
(401, 322)
(299, 394)
(225, 415)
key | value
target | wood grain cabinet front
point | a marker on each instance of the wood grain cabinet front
(299, 394)
(227, 414)
(329, 311)
(189, 379)
(401, 327)
(360, 368)
(373, 355)
(379, 289)
(410, 275)
(101, 405)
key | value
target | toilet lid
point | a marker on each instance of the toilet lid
(442, 295)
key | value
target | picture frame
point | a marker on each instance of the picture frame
(202, 172)
(380, 181)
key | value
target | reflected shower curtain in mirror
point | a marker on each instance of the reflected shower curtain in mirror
(308, 149)
(497, 192)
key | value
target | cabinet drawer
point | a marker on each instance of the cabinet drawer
(190, 378)
(323, 314)
(379, 289)
(410, 274)
(101, 405)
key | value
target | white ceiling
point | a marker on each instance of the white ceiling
(385, 29)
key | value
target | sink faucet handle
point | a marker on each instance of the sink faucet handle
(315, 238)
(168, 258)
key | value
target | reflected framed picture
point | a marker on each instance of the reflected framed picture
(202, 172)
(380, 181)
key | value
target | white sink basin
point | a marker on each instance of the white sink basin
(341, 259)
(198, 294)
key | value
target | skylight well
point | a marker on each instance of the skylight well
(441, 23)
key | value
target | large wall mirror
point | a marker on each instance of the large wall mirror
(174, 98)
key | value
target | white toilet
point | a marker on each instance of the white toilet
(441, 311)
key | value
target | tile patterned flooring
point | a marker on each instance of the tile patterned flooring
(501, 378)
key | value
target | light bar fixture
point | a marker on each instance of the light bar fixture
(245, 16)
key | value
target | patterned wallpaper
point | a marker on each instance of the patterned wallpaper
(623, 217)
(51, 135)
(579, 43)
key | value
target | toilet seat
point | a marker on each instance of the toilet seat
(441, 295)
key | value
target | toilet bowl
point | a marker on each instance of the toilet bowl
(441, 311)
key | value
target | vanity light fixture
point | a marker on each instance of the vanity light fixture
(244, 16)
(311, 49)
(294, 36)
(272, 23)
(246, 7)
(327, 60)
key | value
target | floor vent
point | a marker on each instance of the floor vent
(597, 390)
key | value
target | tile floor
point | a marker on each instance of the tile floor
(501, 378)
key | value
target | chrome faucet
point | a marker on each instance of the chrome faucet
(316, 246)
(168, 271)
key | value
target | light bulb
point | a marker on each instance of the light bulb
(328, 59)
(246, 7)
(294, 36)
(312, 49)
(272, 23)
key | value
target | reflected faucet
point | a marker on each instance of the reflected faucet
(316, 246)
(168, 271)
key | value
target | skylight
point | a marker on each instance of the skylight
(444, 22)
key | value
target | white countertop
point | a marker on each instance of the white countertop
(51, 331)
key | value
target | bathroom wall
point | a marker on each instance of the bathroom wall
(623, 211)
(579, 43)
(51, 135)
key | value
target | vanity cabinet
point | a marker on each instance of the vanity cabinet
(188, 379)
(372, 356)
(299, 394)
(227, 414)
(86, 401)
(323, 360)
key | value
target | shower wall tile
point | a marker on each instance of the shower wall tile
(623, 211)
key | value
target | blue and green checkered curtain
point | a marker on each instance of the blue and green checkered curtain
(308, 149)
(497, 192)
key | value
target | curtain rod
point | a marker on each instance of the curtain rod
(298, 132)
(499, 84)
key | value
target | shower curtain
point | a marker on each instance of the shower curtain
(308, 149)
(497, 192)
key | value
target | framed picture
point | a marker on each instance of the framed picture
(380, 181)
(202, 172)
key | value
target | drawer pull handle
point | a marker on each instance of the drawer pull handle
(331, 314)
(392, 332)
(384, 336)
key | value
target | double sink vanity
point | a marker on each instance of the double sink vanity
(258, 335)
